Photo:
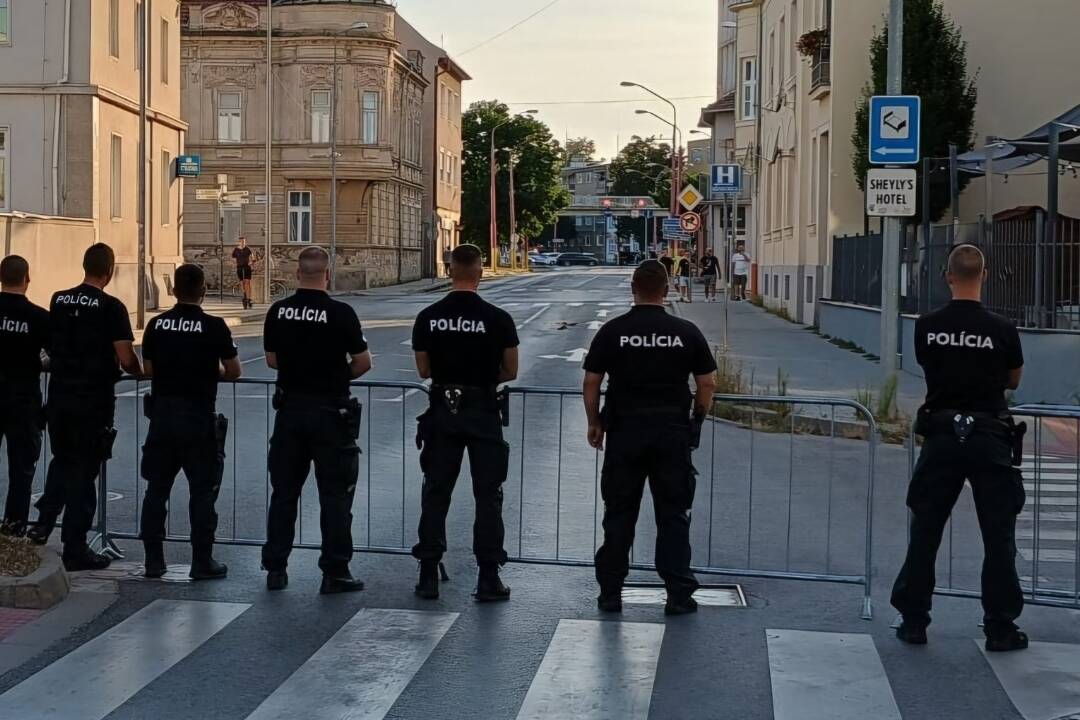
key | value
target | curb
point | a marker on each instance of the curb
(41, 589)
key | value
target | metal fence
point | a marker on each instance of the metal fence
(856, 269)
(785, 484)
(1048, 532)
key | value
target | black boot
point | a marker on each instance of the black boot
(205, 567)
(277, 580)
(680, 605)
(427, 587)
(155, 559)
(83, 558)
(42, 529)
(1008, 642)
(340, 583)
(13, 528)
(489, 587)
(610, 600)
(911, 633)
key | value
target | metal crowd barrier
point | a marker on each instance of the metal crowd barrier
(1048, 530)
(785, 485)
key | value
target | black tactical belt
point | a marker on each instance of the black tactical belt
(963, 423)
(283, 398)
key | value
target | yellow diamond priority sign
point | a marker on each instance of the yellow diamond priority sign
(690, 198)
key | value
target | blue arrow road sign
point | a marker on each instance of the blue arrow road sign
(726, 179)
(895, 129)
(672, 226)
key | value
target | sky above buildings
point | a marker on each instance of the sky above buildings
(575, 52)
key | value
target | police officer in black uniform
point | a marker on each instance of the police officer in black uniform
(91, 342)
(970, 357)
(317, 346)
(652, 423)
(467, 347)
(24, 334)
(185, 352)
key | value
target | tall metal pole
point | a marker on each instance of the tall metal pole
(1050, 237)
(140, 291)
(269, 232)
(494, 240)
(890, 251)
(513, 217)
(333, 173)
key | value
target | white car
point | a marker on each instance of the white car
(543, 259)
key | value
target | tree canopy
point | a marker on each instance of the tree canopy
(643, 168)
(579, 148)
(935, 69)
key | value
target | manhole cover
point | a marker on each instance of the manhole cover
(711, 596)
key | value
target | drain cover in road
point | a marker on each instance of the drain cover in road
(711, 596)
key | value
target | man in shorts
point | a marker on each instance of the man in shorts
(740, 270)
(244, 264)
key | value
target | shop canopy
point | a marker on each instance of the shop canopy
(1010, 155)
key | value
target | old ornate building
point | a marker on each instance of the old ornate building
(373, 118)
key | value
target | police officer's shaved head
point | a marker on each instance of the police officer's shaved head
(650, 281)
(313, 263)
(14, 271)
(466, 263)
(967, 263)
(99, 261)
(189, 284)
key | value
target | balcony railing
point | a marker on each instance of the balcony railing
(820, 67)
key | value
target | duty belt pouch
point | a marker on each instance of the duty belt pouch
(503, 400)
(221, 431)
(697, 422)
(452, 396)
(1017, 433)
(148, 406)
(963, 426)
(353, 414)
(108, 437)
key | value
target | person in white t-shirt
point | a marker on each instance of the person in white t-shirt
(740, 270)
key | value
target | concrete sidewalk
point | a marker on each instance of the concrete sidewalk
(764, 344)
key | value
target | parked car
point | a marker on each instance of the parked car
(572, 258)
(543, 259)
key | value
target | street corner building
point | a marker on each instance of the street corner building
(70, 140)
(356, 97)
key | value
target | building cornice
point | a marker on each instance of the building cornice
(740, 5)
(105, 94)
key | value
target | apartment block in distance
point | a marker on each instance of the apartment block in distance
(69, 140)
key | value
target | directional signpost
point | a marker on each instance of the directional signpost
(895, 129)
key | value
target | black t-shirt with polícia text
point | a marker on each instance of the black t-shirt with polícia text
(242, 256)
(85, 322)
(465, 337)
(710, 265)
(313, 336)
(649, 351)
(24, 333)
(185, 347)
(966, 353)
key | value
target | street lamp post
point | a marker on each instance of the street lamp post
(674, 140)
(269, 232)
(494, 240)
(513, 216)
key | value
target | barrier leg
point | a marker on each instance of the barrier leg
(102, 538)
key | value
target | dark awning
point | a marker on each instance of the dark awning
(1010, 155)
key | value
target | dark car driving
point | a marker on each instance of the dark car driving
(567, 259)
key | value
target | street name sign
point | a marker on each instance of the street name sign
(891, 192)
(690, 198)
(726, 179)
(203, 194)
(895, 129)
(672, 226)
(188, 166)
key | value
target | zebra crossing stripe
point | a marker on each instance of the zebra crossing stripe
(595, 671)
(1041, 681)
(828, 676)
(101, 675)
(360, 672)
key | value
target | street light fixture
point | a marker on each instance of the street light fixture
(494, 239)
(674, 138)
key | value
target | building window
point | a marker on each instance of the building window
(444, 101)
(776, 286)
(781, 53)
(114, 28)
(230, 111)
(166, 187)
(138, 36)
(455, 171)
(810, 289)
(749, 89)
(320, 116)
(300, 217)
(740, 219)
(455, 108)
(116, 177)
(370, 112)
(787, 288)
(166, 56)
(793, 38)
(442, 165)
(5, 22)
(5, 181)
(766, 288)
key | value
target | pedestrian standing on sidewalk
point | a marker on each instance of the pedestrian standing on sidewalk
(91, 342)
(669, 266)
(652, 423)
(467, 347)
(24, 335)
(970, 358)
(317, 346)
(185, 353)
(740, 270)
(710, 271)
(683, 274)
(245, 266)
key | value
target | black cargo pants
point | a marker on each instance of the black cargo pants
(20, 427)
(998, 489)
(658, 450)
(312, 430)
(445, 437)
(79, 427)
(184, 434)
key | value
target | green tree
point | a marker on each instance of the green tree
(935, 69)
(580, 148)
(538, 192)
(643, 168)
